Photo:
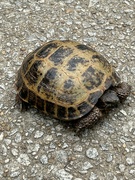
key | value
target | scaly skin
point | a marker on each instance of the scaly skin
(118, 94)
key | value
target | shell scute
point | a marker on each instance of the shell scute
(32, 98)
(40, 103)
(46, 50)
(92, 78)
(33, 74)
(23, 93)
(84, 47)
(50, 108)
(84, 107)
(58, 56)
(75, 61)
(61, 112)
(93, 97)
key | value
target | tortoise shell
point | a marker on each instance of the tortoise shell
(64, 79)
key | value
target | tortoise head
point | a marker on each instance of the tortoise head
(109, 100)
(112, 97)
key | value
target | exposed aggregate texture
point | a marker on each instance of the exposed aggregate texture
(33, 146)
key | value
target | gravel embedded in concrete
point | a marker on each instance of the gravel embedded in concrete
(34, 146)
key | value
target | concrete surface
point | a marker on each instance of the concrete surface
(33, 146)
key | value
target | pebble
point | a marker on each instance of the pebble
(38, 134)
(65, 145)
(92, 153)
(130, 161)
(44, 159)
(18, 138)
(93, 176)
(87, 165)
(35, 149)
(78, 148)
(1, 136)
(7, 141)
(15, 174)
(14, 152)
(123, 112)
(109, 158)
(4, 150)
(122, 167)
(132, 171)
(63, 175)
(49, 138)
(23, 159)
(62, 156)
(7, 160)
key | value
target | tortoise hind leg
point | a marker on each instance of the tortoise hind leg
(88, 121)
(23, 106)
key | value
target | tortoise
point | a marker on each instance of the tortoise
(69, 81)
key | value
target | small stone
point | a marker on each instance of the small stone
(69, 11)
(14, 152)
(123, 112)
(111, 176)
(109, 158)
(122, 167)
(7, 141)
(93, 176)
(69, 22)
(3, 52)
(8, 44)
(132, 171)
(18, 138)
(35, 149)
(44, 159)
(58, 127)
(7, 161)
(4, 150)
(65, 145)
(49, 138)
(69, 1)
(38, 134)
(61, 156)
(87, 165)
(52, 145)
(86, 24)
(13, 132)
(42, 1)
(130, 161)
(22, 49)
(15, 174)
(92, 3)
(78, 148)
(63, 175)
(92, 153)
(1, 136)
(24, 159)
(104, 147)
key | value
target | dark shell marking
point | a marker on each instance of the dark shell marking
(74, 62)
(33, 74)
(59, 54)
(46, 50)
(92, 78)
(64, 79)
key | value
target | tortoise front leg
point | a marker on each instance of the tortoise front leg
(88, 121)
(123, 90)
